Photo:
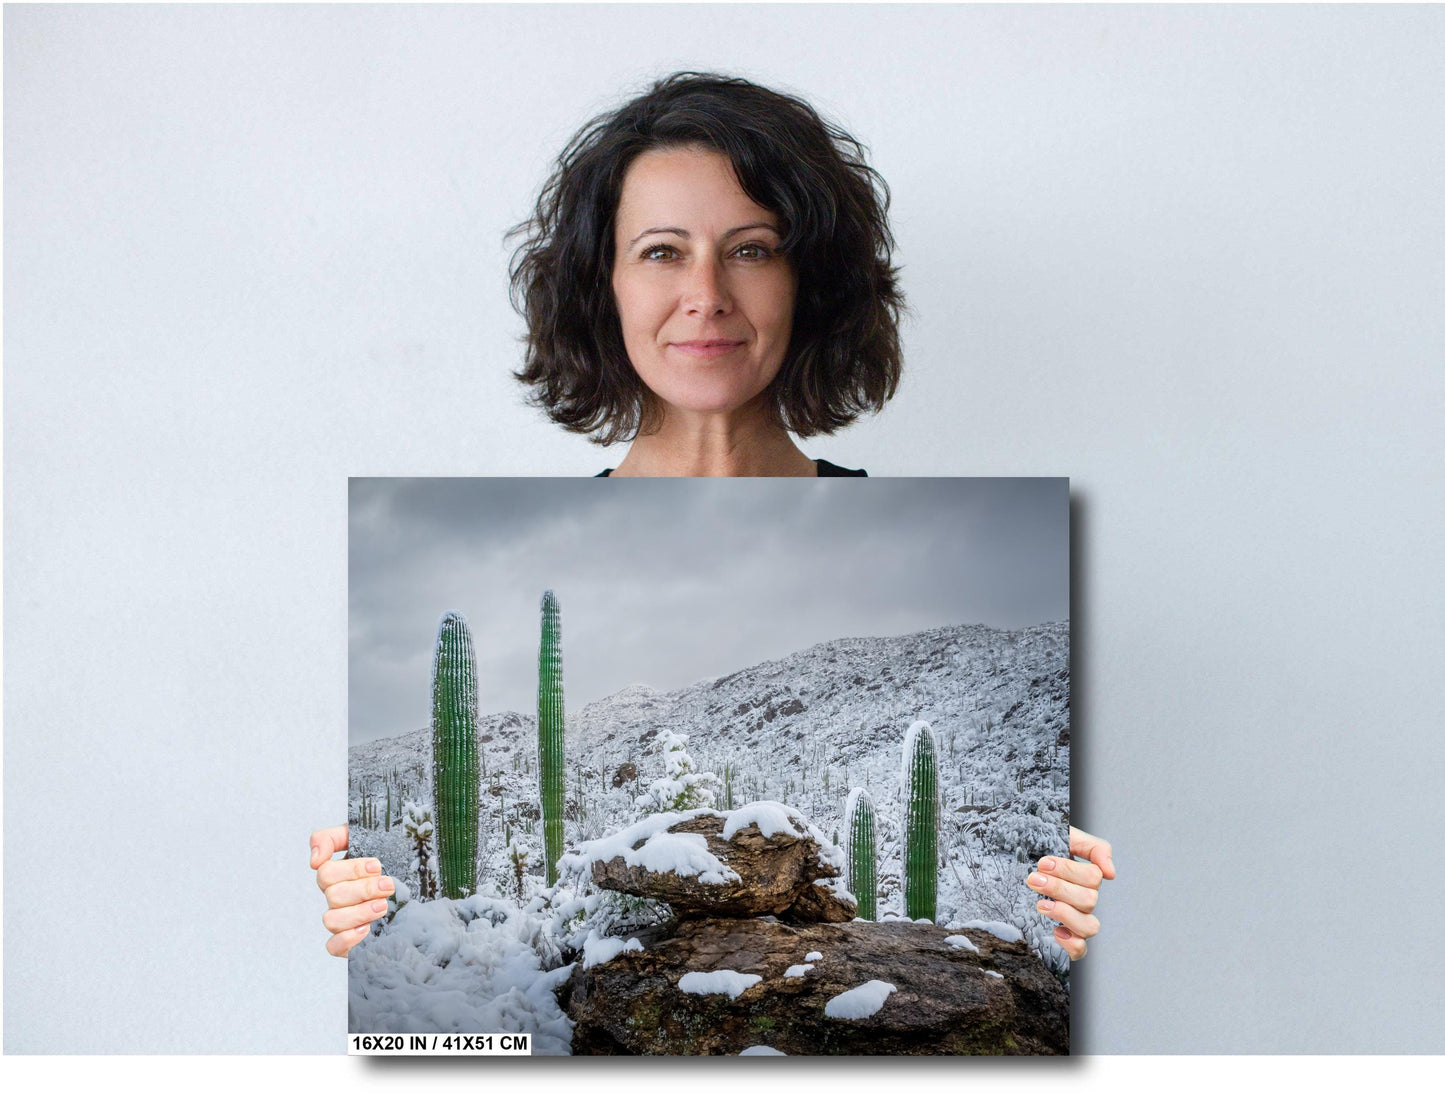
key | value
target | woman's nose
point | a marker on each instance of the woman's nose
(707, 290)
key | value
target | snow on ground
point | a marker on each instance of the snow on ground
(723, 981)
(814, 956)
(797, 971)
(1002, 930)
(465, 966)
(958, 941)
(991, 972)
(860, 1002)
(761, 1052)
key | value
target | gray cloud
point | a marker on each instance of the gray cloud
(667, 581)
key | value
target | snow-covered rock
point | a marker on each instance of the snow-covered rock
(764, 858)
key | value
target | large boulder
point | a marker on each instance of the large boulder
(764, 858)
(722, 985)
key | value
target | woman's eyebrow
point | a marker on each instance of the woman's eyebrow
(682, 233)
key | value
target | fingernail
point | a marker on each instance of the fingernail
(379, 906)
(1047, 863)
(1062, 934)
(314, 853)
(373, 865)
(385, 883)
(1046, 904)
(1038, 881)
(364, 930)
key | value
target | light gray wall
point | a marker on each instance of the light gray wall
(1193, 258)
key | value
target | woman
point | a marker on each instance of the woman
(707, 274)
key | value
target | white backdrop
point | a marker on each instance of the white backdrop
(1193, 258)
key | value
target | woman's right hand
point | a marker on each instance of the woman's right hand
(355, 889)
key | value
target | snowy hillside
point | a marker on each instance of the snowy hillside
(802, 730)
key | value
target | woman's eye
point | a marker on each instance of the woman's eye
(659, 253)
(754, 251)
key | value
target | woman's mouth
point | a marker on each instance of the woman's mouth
(707, 348)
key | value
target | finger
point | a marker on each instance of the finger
(1093, 849)
(343, 943)
(1073, 944)
(1085, 925)
(350, 892)
(326, 842)
(334, 871)
(1082, 899)
(1073, 870)
(343, 918)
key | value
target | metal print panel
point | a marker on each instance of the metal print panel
(712, 766)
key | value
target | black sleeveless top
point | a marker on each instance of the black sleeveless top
(825, 470)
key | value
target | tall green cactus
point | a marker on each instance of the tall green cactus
(551, 733)
(920, 822)
(456, 780)
(862, 853)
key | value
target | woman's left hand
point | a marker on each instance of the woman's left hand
(1071, 889)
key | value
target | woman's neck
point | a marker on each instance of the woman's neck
(693, 445)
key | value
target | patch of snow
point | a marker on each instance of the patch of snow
(814, 956)
(761, 1052)
(648, 844)
(958, 941)
(723, 981)
(1002, 930)
(600, 950)
(860, 1002)
(797, 971)
(837, 889)
(771, 817)
(923, 921)
(991, 972)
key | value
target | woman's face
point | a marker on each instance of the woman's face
(705, 300)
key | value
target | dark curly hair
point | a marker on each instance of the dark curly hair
(844, 355)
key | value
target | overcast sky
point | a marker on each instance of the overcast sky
(666, 581)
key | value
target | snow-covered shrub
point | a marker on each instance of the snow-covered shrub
(681, 787)
(519, 856)
(417, 823)
(1027, 829)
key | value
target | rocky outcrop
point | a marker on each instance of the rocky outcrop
(721, 985)
(763, 859)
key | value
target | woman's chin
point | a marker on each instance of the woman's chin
(701, 401)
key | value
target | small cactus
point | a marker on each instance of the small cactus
(861, 852)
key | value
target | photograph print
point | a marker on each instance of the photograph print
(711, 766)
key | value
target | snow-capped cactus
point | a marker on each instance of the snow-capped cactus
(551, 734)
(455, 773)
(417, 822)
(862, 853)
(919, 798)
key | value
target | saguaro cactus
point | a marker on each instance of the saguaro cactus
(862, 852)
(455, 772)
(551, 733)
(920, 822)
